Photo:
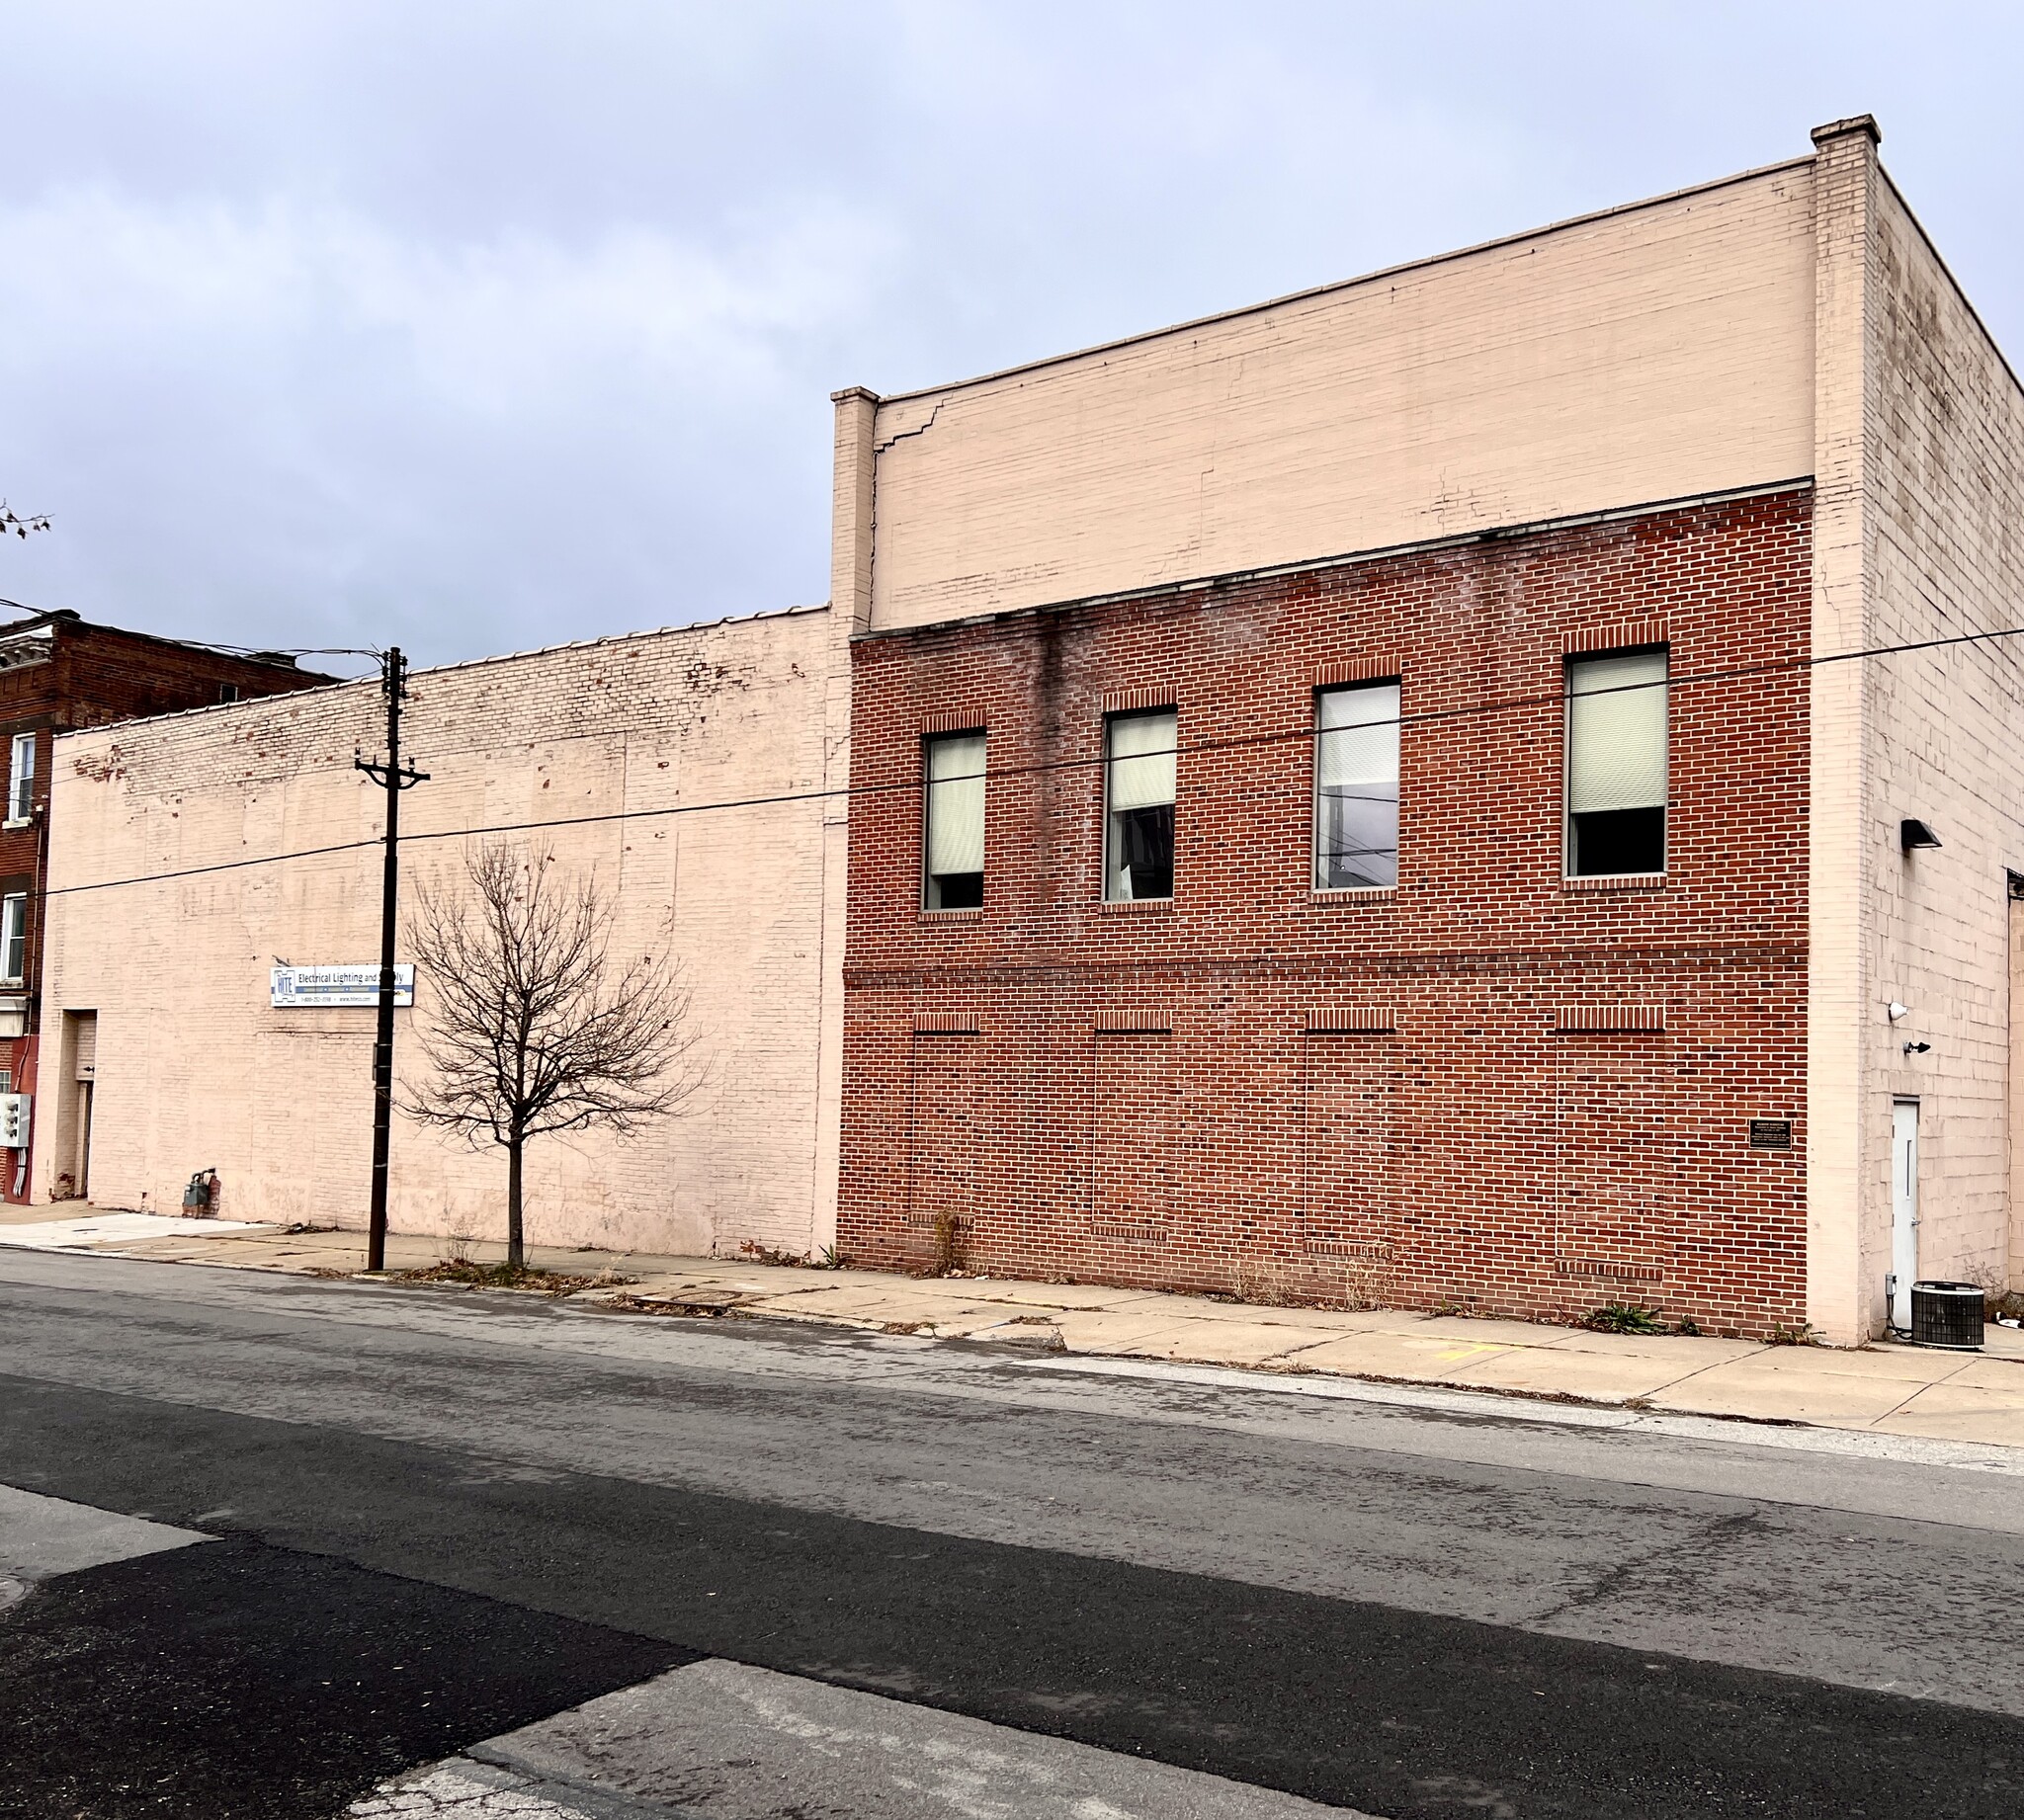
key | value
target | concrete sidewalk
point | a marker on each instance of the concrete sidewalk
(1888, 1390)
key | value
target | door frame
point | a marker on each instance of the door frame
(1905, 1213)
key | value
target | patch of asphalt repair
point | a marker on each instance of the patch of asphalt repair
(240, 1682)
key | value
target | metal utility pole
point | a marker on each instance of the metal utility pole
(393, 777)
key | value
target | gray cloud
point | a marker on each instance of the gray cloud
(484, 325)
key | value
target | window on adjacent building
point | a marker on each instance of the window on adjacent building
(1616, 763)
(954, 842)
(1356, 787)
(1139, 804)
(20, 778)
(13, 939)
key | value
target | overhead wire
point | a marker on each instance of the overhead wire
(913, 786)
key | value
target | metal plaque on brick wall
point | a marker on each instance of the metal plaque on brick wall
(1770, 1133)
(314, 988)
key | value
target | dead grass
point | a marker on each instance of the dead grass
(464, 1274)
(707, 1304)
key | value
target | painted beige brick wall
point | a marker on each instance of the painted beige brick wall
(1840, 995)
(2017, 1092)
(1652, 353)
(1944, 741)
(196, 1069)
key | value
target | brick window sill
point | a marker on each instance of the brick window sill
(952, 916)
(1615, 881)
(1143, 906)
(1355, 894)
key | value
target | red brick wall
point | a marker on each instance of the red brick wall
(1463, 1147)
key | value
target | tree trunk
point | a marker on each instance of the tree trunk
(516, 1249)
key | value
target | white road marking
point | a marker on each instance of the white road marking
(40, 1536)
(741, 1743)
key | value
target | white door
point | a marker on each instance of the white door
(1904, 1205)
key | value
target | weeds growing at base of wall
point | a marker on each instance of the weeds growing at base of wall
(772, 1254)
(1626, 1318)
(462, 1273)
(949, 1246)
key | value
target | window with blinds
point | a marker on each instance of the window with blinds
(1139, 806)
(13, 940)
(1617, 703)
(953, 840)
(21, 777)
(1356, 787)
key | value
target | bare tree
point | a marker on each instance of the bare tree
(537, 1028)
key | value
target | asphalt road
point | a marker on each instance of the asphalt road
(1441, 1608)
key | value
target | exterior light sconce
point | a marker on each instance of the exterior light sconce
(1916, 1048)
(1912, 835)
(1899, 1012)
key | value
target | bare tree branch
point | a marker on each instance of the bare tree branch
(21, 524)
(538, 1027)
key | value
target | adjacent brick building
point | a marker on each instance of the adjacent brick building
(1376, 798)
(60, 673)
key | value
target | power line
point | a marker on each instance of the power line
(1234, 742)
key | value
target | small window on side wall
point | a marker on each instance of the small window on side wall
(1356, 787)
(954, 837)
(20, 778)
(13, 939)
(1617, 704)
(1139, 806)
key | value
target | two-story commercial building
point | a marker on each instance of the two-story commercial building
(1499, 784)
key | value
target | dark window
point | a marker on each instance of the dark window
(1139, 800)
(228, 692)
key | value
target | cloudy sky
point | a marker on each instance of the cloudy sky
(475, 324)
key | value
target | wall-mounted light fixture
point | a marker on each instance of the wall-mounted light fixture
(1899, 1012)
(1916, 1048)
(1912, 835)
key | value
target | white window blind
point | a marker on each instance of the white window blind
(956, 805)
(1143, 760)
(1616, 732)
(1360, 738)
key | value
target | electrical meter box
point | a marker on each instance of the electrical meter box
(14, 1116)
